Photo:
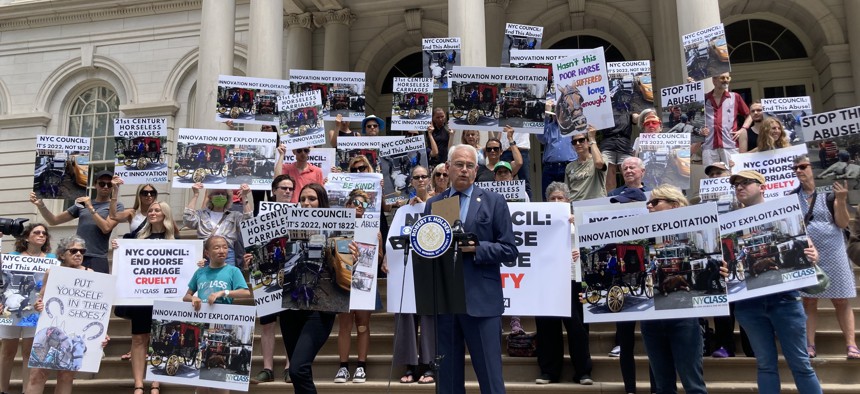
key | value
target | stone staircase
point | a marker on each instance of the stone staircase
(732, 375)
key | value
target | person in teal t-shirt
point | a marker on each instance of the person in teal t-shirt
(218, 283)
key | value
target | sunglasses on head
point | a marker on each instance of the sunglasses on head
(420, 177)
(361, 168)
(76, 251)
(801, 166)
(577, 141)
(148, 193)
(494, 148)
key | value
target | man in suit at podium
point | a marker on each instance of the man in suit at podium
(485, 214)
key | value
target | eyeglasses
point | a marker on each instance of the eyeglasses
(39, 232)
(76, 251)
(441, 175)
(801, 167)
(372, 126)
(303, 150)
(493, 148)
(420, 177)
(359, 204)
(104, 184)
(654, 123)
(148, 193)
(578, 141)
(361, 168)
(286, 188)
(462, 164)
(745, 183)
(656, 201)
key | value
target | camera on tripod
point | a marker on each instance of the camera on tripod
(13, 227)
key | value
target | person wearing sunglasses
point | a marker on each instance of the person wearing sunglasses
(586, 176)
(826, 219)
(136, 215)
(493, 152)
(372, 125)
(439, 179)
(94, 222)
(748, 138)
(649, 122)
(302, 172)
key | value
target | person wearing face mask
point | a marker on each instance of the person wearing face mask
(722, 109)
(216, 219)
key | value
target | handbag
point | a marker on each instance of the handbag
(823, 282)
(522, 345)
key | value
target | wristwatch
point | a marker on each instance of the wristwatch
(226, 293)
(512, 142)
(590, 142)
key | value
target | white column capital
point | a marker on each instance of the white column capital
(413, 20)
(305, 20)
(343, 16)
(499, 3)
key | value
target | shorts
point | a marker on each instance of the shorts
(616, 158)
(15, 332)
(140, 316)
(711, 156)
(269, 319)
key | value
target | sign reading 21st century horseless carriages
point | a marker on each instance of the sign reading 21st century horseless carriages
(341, 93)
(141, 150)
(22, 276)
(412, 104)
(301, 122)
(440, 56)
(61, 167)
(249, 100)
(223, 159)
(490, 98)
(582, 91)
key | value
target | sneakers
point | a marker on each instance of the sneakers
(586, 380)
(264, 376)
(720, 353)
(615, 352)
(544, 379)
(360, 376)
(342, 375)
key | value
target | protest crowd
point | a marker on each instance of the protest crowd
(294, 220)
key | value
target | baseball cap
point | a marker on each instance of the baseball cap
(628, 195)
(747, 174)
(107, 173)
(503, 164)
(720, 165)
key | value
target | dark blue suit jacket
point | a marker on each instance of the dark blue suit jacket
(489, 219)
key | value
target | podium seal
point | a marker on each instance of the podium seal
(431, 236)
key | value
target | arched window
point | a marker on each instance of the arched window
(411, 66)
(91, 115)
(759, 40)
(611, 53)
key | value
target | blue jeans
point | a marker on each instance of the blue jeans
(674, 344)
(778, 315)
(523, 173)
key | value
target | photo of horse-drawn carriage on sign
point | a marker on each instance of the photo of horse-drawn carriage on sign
(209, 348)
(520, 37)
(789, 111)
(490, 98)
(659, 265)
(833, 141)
(541, 58)
(224, 159)
(440, 56)
(706, 52)
(141, 150)
(763, 246)
(666, 157)
(249, 100)
(341, 93)
(412, 104)
(301, 122)
(61, 167)
(630, 85)
(19, 291)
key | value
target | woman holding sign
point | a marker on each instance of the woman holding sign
(493, 151)
(135, 216)
(158, 225)
(34, 241)
(217, 219)
(70, 252)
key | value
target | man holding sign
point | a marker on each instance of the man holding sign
(722, 109)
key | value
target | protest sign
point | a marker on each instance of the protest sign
(833, 140)
(339, 186)
(789, 111)
(490, 98)
(521, 37)
(513, 191)
(684, 109)
(303, 268)
(75, 320)
(666, 157)
(398, 158)
(350, 147)
(249, 100)
(324, 158)
(541, 58)
(539, 273)
(299, 122)
(342, 93)
(630, 84)
(223, 159)
(61, 167)
(141, 150)
(412, 104)
(601, 210)
(440, 56)
(601, 201)
(706, 52)
(148, 270)
(776, 165)
(718, 190)
(582, 89)
(362, 294)
(763, 245)
(662, 265)
(207, 348)
(22, 277)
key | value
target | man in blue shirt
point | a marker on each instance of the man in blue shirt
(557, 150)
(633, 170)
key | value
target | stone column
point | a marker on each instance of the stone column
(667, 67)
(299, 42)
(266, 40)
(852, 7)
(336, 50)
(217, 40)
(466, 20)
(693, 16)
(495, 15)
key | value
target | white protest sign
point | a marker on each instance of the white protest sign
(300, 122)
(683, 107)
(275, 224)
(712, 189)
(249, 100)
(400, 284)
(75, 320)
(666, 157)
(223, 159)
(339, 186)
(324, 158)
(61, 161)
(776, 165)
(397, 160)
(23, 277)
(141, 150)
(341, 93)
(582, 89)
(521, 37)
(513, 191)
(764, 248)
(541, 58)
(362, 294)
(220, 335)
(148, 270)
(827, 125)
(412, 104)
(706, 52)
(490, 98)
(440, 55)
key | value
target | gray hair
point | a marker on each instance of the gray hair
(638, 161)
(66, 243)
(457, 147)
(801, 158)
(557, 187)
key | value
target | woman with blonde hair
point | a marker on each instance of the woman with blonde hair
(439, 179)
(772, 136)
(136, 215)
(473, 138)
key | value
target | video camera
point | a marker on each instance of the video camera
(13, 227)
